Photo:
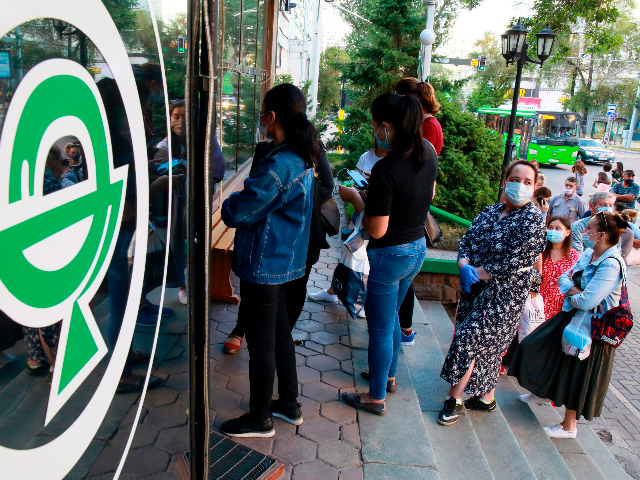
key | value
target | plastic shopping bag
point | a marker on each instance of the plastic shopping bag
(532, 315)
(576, 338)
(350, 276)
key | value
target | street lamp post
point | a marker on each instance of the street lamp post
(514, 50)
(427, 37)
(61, 26)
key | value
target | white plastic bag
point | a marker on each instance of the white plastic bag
(354, 249)
(576, 338)
(532, 315)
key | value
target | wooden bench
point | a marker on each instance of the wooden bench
(222, 241)
(221, 257)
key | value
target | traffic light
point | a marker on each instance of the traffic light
(482, 62)
(182, 45)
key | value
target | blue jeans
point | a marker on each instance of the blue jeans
(392, 270)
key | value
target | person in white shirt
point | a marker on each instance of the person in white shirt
(367, 160)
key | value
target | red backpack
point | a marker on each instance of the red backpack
(614, 325)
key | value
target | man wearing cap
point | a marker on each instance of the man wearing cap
(568, 203)
(626, 191)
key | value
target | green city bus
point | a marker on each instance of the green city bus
(548, 137)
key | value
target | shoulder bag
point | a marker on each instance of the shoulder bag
(613, 326)
(432, 231)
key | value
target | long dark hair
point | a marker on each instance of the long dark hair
(619, 168)
(404, 113)
(566, 243)
(289, 105)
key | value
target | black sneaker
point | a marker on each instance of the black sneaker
(246, 426)
(292, 415)
(474, 403)
(450, 412)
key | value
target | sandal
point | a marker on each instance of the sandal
(231, 348)
(38, 370)
(154, 382)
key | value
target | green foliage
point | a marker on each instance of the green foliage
(622, 93)
(470, 163)
(495, 85)
(283, 78)
(331, 61)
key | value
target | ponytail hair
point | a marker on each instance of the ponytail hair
(423, 91)
(405, 115)
(289, 105)
(613, 224)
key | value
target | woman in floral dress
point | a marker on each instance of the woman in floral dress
(557, 258)
(495, 259)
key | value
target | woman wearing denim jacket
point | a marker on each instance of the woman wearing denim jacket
(401, 187)
(540, 364)
(272, 216)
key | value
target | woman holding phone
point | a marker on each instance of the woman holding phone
(399, 195)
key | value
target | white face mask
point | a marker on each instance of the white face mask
(261, 129)
(569, 191)
(518, 193)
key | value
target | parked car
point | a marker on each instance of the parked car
(591, 150)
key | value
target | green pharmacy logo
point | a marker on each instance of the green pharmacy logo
(57, 248)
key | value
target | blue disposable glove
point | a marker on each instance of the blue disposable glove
(468, 276)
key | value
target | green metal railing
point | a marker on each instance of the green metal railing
(441, 265)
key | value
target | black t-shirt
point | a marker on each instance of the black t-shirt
(396, 189)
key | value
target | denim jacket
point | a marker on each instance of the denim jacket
(601, 281)
(272, 217)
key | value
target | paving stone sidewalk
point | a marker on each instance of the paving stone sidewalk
(327, 445)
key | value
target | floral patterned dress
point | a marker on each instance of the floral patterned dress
(507, 248)
(549, 290)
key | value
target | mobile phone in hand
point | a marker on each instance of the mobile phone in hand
(358, 179)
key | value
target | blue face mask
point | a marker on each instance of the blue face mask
(555, 236)
(518, 193)
(381, 144)
(605, 209)
(629, 181)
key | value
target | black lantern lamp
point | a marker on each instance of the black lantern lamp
(517, 36)
(505, 45)
(546, 38)
(60, 26)
(514, 50)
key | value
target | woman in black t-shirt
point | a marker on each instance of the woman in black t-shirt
(400, 191)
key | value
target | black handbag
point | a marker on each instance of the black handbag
(432, 231)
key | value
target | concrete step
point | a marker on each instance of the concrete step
(586, 456)
(450, 444)
(510, 439)
(543, 456)
(395, 445)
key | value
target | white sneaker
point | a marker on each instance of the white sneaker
(556, 431)
(531, 398)
(361, 313)
(322, 296)
(182, 296)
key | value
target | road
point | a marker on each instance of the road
(557, 175)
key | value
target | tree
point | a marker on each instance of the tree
(331, 61)
(470, 162)
(496, 82)
(587, 30)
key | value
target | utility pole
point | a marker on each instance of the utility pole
(427, 37)
(634, 119)
(316, 47)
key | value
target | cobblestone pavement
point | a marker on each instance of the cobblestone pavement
(327, 445)
(621, 411)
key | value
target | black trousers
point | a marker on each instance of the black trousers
(271, 348)
(295, 295)
(406, 310)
